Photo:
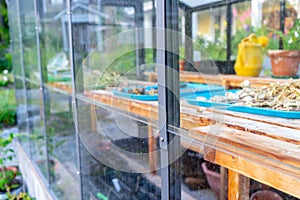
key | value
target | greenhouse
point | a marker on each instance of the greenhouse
(157, 99)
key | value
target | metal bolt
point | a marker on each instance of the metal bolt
(78, 173)
(162, 139)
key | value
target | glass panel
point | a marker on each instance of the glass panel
(54, 43)
(36, 127)
(215, 116)
(27, 17)
(116, 81)
(14, 32)
(61, 146)
(113, 59)
(209, 38)
(21, 105)
(117, 156)
(113, 53)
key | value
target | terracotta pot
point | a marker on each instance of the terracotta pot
(265, 195)
(213, 179)
(181, 65)
(284, 63)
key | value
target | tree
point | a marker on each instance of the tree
(5, 56)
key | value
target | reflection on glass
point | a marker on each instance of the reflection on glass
(27, 18)
(54, 43)
(61, 142)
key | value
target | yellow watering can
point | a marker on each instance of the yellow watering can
(250, 56)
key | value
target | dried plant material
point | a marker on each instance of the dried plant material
(277, 96)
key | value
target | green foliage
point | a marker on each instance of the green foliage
(120, 62)
(38, 137)
(5, 56)
(7, 175)
(53, 142)
(6, 78)
(5, 59)
(21, 196)
(109, 80)
(236, 39)
(4, 29)
(7, 107)
(291, 41)
(262, 31)
(216, 50)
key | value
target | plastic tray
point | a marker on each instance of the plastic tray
(186, 89)
(192, 99)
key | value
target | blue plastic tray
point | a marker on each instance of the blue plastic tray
(247, 109)
(142, 97)
(185, 90)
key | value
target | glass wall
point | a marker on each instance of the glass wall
(121, 99)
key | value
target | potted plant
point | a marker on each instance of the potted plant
(10, 181)
(20, 196)
(285, 62)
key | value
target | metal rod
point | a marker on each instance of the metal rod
(168, 90)
(228, 32)
(188, 44)
(74, 90)
(23, 75)
(213, 5)
(153, 30)
(42, 88)
(282, 21)
(139, 37)
(161, 59)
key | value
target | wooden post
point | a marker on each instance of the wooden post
(223, 174)
(152, 149)
(93, 119)
(238, 186)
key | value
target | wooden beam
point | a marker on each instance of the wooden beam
(93, 119)
(258, 171)
(152, 148)
(223, 174)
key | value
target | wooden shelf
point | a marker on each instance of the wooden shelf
(264, 148)
(228, 81)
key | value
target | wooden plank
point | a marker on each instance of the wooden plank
(288, 123)
(238, 186)
(260, 172)
(197, 110)
(192, 119)
(198, 146)
(254, 166)
(93, 118)
(223, 175)
(269, 148)
(152, 150)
